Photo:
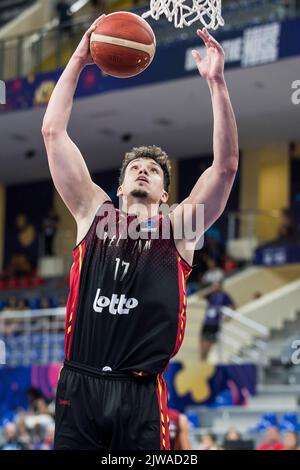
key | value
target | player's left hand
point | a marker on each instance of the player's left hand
(210, 67)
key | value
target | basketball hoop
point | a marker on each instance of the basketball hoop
(206, 11)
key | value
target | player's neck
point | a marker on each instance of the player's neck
(139, 207)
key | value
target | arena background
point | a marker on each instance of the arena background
(251, 378)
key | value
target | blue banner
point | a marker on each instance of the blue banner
(251, 46)
(277, 254)
(208, 385)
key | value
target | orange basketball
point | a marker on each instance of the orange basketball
(123, 44)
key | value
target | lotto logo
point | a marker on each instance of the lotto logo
(117, 304)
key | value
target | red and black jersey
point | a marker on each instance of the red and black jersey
(126, 309)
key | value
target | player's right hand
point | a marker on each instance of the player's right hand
(82, 52)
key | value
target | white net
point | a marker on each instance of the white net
(186, 12)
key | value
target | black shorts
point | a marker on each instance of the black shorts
(110, 410)
(210, 333)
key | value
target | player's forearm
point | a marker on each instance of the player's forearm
(60, 104)
(225, 136)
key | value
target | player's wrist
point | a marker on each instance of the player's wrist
(218, 80)
(78, 61)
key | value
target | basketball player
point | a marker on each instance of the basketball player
(127, 302)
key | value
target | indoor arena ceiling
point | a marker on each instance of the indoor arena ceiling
(174, 115)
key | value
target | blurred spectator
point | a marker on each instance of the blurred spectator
(37, 402)
(62, 301)
(37, 434)
(33, 394)
(233, 440)
(232, 435)
(22, 304)
(11, 304)
(272, 441)
(19, 266)
(229, 264)
(50, 225)
(40, 419)
(179, 431)
(286, 230)
(13, 325)
(41, 406)
(283, 9)
(9, 326)
(213, 273)
(208, 442)
(11, 439)
(45, 303)
(47, 442)
(291, 440)
(216, 300)
(23, 434)
(17, 437)
(15, 304)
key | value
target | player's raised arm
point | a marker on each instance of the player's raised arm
(213, 187)
(68, 169)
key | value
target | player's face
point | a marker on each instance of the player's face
(144, 178)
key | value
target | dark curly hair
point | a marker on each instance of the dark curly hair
(153, 152)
